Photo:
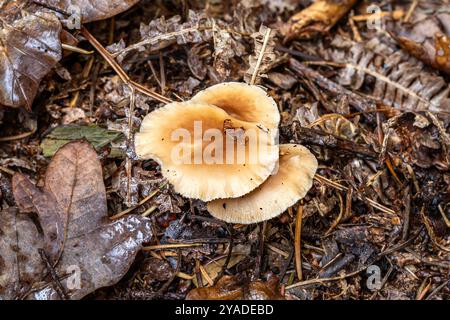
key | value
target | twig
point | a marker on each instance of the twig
(57, 284)
(19, 136)
(340, 187)
(446, 220)
(316, 137)
(442, 285)
(411, 10)
(260, 253)
(407, 213)
(120, 72)
(124, 212)
(322, 280)
(286, 264)
(339, 217)
(8, 171)
(75, 49)
(227, 261)
(171, 246)
(297, 242)
(359, 102)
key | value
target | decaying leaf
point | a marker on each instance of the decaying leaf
(263, 57)
(427, 38)
(90, 10)
(225, 48)
(20, 263)
(77, 235)
(162, 32)
(400, 80)
(234, 288)
(214, 267)
(414, 139)
(318, 18)
(59, 136)
(30, 44)
(29, 49)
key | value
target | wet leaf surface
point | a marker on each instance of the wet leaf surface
(91, 10)
(20, 263)
(374, 114)
(77, 235)
(29, 49)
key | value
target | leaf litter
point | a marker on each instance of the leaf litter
(373, 112)
(75, 232)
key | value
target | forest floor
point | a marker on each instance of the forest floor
(375, 224)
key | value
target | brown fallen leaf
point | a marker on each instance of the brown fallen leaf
(90, 10)
(234, 288)
(318, 18)
(77, 235)
(428, 39)
(74, 194)
(30, 44)
(29, 49)
(20, 263)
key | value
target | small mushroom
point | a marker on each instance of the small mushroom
(244, 102)
(206, 153)
(281, 190)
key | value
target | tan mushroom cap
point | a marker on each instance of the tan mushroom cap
(289, 184)
(244, 102)
(208, 179)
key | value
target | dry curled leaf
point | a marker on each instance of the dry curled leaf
(234, 288)
(77, 235)
(318, 18)
(90, 10)
(29, 49)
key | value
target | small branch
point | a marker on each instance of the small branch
(57, 284)
(319, 138)
(260, 253)
(361, 103)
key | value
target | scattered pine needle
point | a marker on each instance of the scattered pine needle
(261, 56)
(297, 242)
(171, 246)
(341, 187)
(124, 212)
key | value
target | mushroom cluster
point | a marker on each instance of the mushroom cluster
(221, 147)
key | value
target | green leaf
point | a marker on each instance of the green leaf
(61, 135)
